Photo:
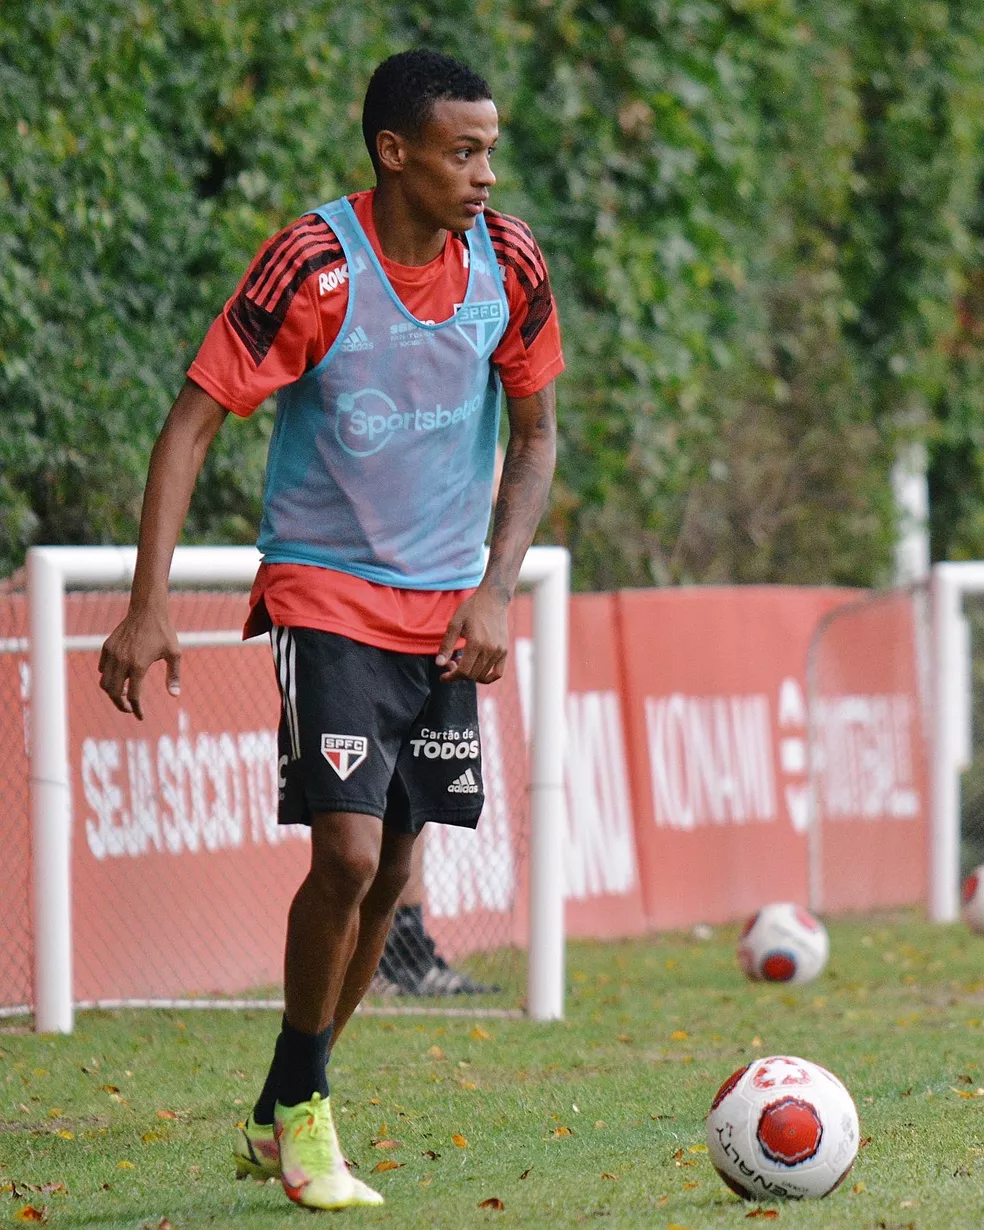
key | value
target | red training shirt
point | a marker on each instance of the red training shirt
(284, 316)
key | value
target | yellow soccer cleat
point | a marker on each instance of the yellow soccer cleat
(313, 1169)
(255, 1151)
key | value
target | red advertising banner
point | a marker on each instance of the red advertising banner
(603, 889)
(870, 772)
(687, 770)
(715, 692)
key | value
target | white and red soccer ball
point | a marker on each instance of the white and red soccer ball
(973, 900)
(782, 1128)
(783, 943)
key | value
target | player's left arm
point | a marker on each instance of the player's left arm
(523, 490)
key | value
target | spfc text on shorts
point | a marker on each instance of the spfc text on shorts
(465, 784)
(344, 752)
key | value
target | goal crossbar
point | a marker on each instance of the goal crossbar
(53, 570)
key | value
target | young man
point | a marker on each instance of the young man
(385, 323)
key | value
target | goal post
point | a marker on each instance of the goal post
(951, 727)
(53, 570)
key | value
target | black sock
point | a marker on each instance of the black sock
(303, 1065)
(273, 1085)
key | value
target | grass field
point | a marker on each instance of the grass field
(598, 1120)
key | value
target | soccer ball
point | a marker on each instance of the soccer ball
(783, 943)
(973, 899)
(782, 1128)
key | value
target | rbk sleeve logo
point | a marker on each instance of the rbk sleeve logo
(344, 752)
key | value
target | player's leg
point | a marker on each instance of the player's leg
(375, 917)
(338, 742)
(322, 934)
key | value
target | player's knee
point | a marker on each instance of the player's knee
(347, 871)
(391, 877)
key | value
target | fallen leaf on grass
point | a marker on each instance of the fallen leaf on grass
(864, 1142)
(675, 1225)
(386, 1144)
(493, 1202)
(459, 1140)
(679, 1035)
(110, 1088)
(697, 1149)
(125, 1166)
(968, 1093)
(767, 1214)
(387, 1164)
(563, 1130)
(65, 1134)
(857, 1189)
(435, 1052)
(150, 1137)
(30, 1213)
(606, 1175)
(526, 1172)
(167, 1114)
(689, 1187)
(480, 1035)
(429, 1154)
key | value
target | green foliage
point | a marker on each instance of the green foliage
(760, 217)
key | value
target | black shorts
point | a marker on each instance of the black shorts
(372, 731)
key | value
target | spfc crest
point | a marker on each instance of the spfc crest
(479, 324)
(344, 752)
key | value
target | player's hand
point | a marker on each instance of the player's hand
(129, 652)
(481, 622)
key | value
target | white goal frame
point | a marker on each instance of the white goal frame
(53, 570)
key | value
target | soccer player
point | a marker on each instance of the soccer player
(386, 322)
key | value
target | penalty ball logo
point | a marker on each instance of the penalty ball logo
(344, 752)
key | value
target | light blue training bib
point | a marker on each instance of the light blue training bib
(382, 456)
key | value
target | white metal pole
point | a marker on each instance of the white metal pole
(545, 978)
(948, 744)
(50, 797)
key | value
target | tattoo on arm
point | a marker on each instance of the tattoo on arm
(524, 486)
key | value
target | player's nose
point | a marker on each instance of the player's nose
(484, 175)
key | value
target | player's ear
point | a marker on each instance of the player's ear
(391, 149)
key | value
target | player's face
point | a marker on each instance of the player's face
(447, 176)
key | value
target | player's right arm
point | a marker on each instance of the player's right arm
(283, 316)
(145, 635)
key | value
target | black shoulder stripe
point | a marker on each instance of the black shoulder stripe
(257, 326)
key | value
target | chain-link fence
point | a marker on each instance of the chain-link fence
(181, 877)
(972, 781)
(16, 951)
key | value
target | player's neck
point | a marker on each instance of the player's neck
(404, 239)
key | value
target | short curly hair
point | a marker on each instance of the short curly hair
(404, 88)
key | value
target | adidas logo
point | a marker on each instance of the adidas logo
(465, 784)
(358, 339)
